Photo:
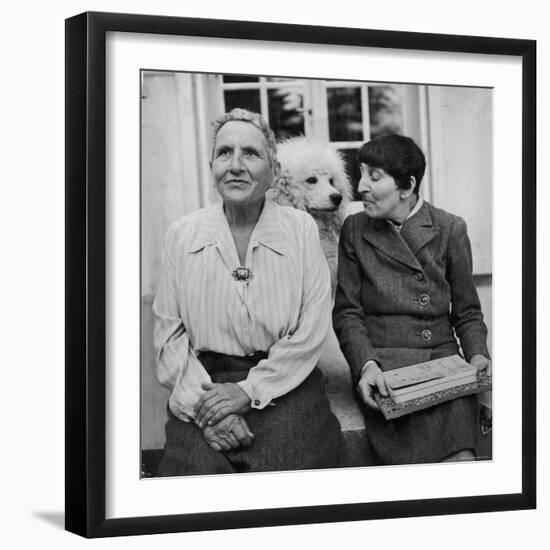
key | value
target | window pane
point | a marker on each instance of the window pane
(345, 120)
(352, 169)
(246, 99)
(386, 111)
(286, 116)
(277, 79)
(230, 78)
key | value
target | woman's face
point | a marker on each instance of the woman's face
(379, 192)
(240, 165)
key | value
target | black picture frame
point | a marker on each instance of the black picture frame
(86, 273)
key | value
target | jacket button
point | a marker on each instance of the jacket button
(257, 402)
(426, 335)
(419, 276)
(424, 300)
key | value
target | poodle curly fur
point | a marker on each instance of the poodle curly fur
(313, 178)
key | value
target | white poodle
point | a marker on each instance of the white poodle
(313, 178)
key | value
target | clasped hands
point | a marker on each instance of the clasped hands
(219, 414)
(372, 378)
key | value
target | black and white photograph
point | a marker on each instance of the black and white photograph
(316, 273)
(275, 275)
(295, 253)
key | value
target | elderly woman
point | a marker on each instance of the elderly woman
(242, 311)
(405, 288)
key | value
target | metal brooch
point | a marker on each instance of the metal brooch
(242, 274)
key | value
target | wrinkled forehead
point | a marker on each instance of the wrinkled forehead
(240, 133)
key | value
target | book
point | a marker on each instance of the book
(390, 409)
(421, 379)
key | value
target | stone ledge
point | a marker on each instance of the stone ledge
(356, 450)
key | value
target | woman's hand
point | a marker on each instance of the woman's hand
(371, 378)
(219, 401)
(484, 367)
(230, 433)
(482, 364)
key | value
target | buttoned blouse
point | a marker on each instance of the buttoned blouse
(284, 309)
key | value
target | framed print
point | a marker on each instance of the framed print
(228, 273)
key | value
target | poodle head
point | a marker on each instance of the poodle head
(313, 177)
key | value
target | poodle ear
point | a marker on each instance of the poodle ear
(296, 193)
(279, 191)
(286, 192)
(281, 183)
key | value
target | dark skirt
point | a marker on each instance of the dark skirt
(424, 436)
(297, 431)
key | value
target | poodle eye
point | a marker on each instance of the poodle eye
(331, 181)
(311, 179)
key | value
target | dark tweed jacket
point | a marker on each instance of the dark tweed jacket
(403, 296)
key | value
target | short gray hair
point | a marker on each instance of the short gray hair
(257, 120)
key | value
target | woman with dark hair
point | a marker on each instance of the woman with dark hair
(405, 289)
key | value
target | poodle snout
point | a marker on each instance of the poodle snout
(336, 198)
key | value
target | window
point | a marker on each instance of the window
(344, 113)
(279, 100)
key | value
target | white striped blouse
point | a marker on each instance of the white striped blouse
(285, 309)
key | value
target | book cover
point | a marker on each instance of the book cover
(439, 385)
(390, 409)
(423, 378)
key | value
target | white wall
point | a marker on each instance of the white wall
(32, 213)
(460, 162)
(175, 148)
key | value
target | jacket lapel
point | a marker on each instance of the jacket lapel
(402, 247)
(383, 236)
(418, 231)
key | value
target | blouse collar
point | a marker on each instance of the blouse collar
(214, 229)
(414, 210)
